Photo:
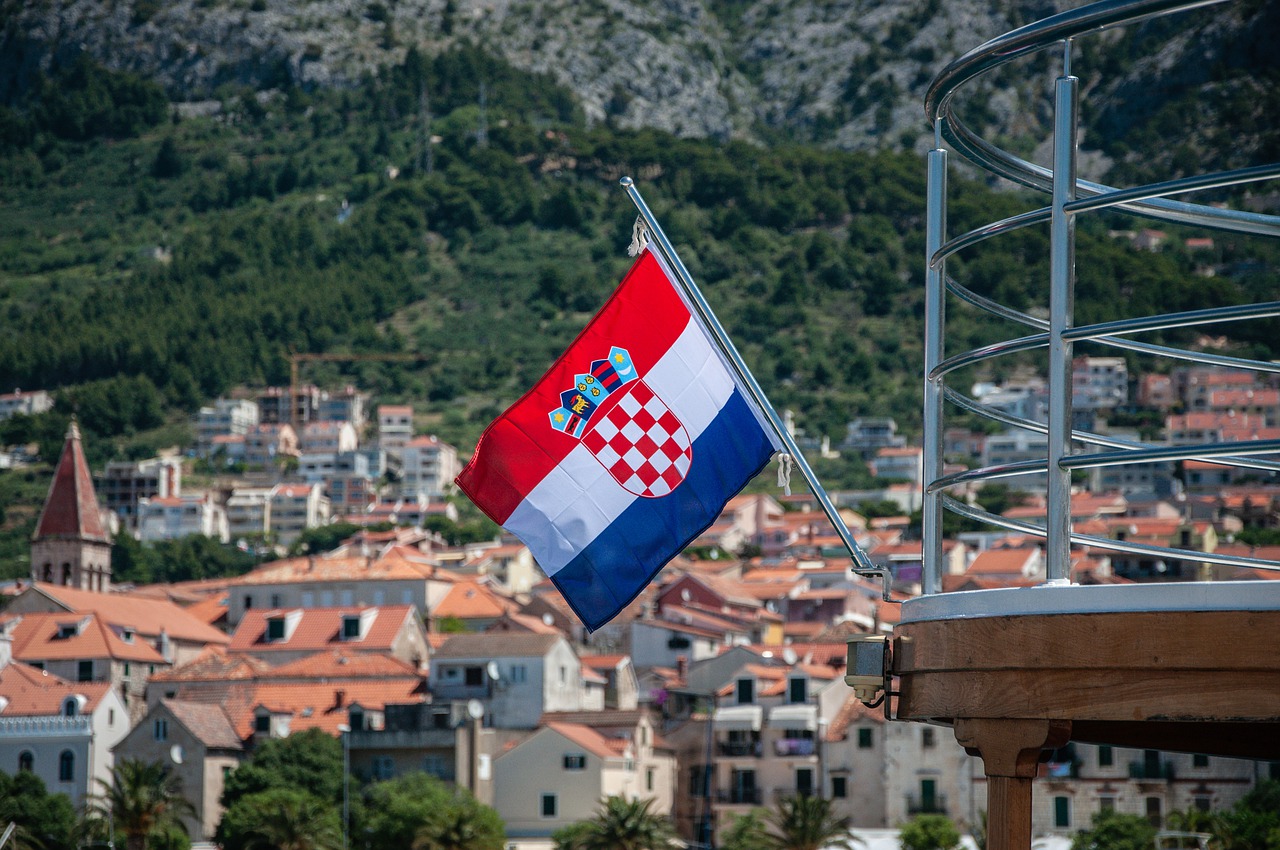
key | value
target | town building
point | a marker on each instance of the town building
(71, 545)
(227, 417)
(124, 484)
(175, 517)
(28, 403)
(395, 426)
(430, 465)
(279, 635)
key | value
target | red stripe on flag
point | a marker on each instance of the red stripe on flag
(645, 316)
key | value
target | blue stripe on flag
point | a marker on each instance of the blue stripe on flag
(612, 570)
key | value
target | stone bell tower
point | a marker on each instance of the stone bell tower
(71, 546)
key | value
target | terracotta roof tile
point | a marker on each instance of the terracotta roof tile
(36, 693)
(320, 628)
(342, 663)
(469, 600)
(495, 644)
(214, 665)
(587, 738)
(208, 723)
(148, 616)
(36, 638)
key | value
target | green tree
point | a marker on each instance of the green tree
(1253, 823)
(309, 761)
(621, 824)
(745, 832)
(929, 832)
(44, 821)
(806, 823)
(281, 819)
(1112, 830)
(418, 810)
(144, 799)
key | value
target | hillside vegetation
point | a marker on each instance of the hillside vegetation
(152, 260)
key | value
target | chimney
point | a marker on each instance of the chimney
(682, 666)
(339, 698)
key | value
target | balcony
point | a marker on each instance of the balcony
(740, 797)
(739, 749)
(935, 805)
(1152, 771)
(794, 747)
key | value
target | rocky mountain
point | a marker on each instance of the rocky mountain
(845, 73)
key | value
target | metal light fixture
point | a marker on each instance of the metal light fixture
(867, 666)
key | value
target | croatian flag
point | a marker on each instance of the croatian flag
(625, 451)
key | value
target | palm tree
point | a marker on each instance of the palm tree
(621, 824)
(293, 821)
(143, 798)
(806, 823)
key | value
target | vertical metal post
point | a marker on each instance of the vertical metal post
(935, 301)
(1062, 267)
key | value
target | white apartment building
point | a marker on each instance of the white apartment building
(175, 517)
(228, 417)
(294, 509)
(395, 426)
(1013, 446)
(123, 484)
(1099, 383)
(430, 465)
(28, 403)
(249, 511)
(328, 437)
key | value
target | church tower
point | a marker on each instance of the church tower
(71, 547)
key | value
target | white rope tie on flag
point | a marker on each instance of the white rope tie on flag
(784, 472)
(640, 237)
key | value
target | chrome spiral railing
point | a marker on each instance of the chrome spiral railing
(1070, 197)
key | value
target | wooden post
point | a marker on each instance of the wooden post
(1010, 751)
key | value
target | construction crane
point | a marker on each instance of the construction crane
(296, 358)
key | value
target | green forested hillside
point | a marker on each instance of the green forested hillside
(151, 261)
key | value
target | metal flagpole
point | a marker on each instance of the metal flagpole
(862, 564)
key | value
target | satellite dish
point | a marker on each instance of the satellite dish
(475, 709)
(492, 668)
(789, 655)
(548, 620)
(175, 753)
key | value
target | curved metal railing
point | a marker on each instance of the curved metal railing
(1055, 336)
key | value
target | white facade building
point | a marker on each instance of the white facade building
(430, 465)
(175, 517)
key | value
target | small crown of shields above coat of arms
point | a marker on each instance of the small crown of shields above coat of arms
(590, 389)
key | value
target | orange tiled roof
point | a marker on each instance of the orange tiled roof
(586, 737)
(37, 693)
(396, 565)
(469, 600)
(1001, 562)
(214, 665)
(35, 638)
(324, 705)
(320, 628)
(148, 616)
(342, 664)
(208, 723)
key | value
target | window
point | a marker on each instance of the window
(262, 723)
(1105, 757)
(275, 629)
(248, 602)
(66, 766)
(350, 628)
(797, 690)
(474, 677)
(927, 738)
(326, 599)
(1203, 804)
(575, 761)
(864, 739)
(1062, 812)
(126, 669)
(84, 671)
(26, 761)
(355, 717)
(70, 707)
(1153, 811)
(746, 691)
(347, 598)
(1107, 804)
(161, 729)
(518, 674)
(127, 635)
(276, 600)
(384, 767)
(648, 779)
(804, 781)
(308, 599)
(548, 805)
(839, 787)
(1199, 760)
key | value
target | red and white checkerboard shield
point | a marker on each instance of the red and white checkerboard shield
(641, 442)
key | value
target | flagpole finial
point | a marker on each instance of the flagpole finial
(626, 182)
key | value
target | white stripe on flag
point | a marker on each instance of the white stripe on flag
(579, 498)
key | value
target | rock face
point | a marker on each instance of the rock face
(849, 73)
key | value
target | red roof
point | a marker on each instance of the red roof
(35, 693)
(71, 509)
(321, 628)
(587, 738)
(147, 616)
(36, 638)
